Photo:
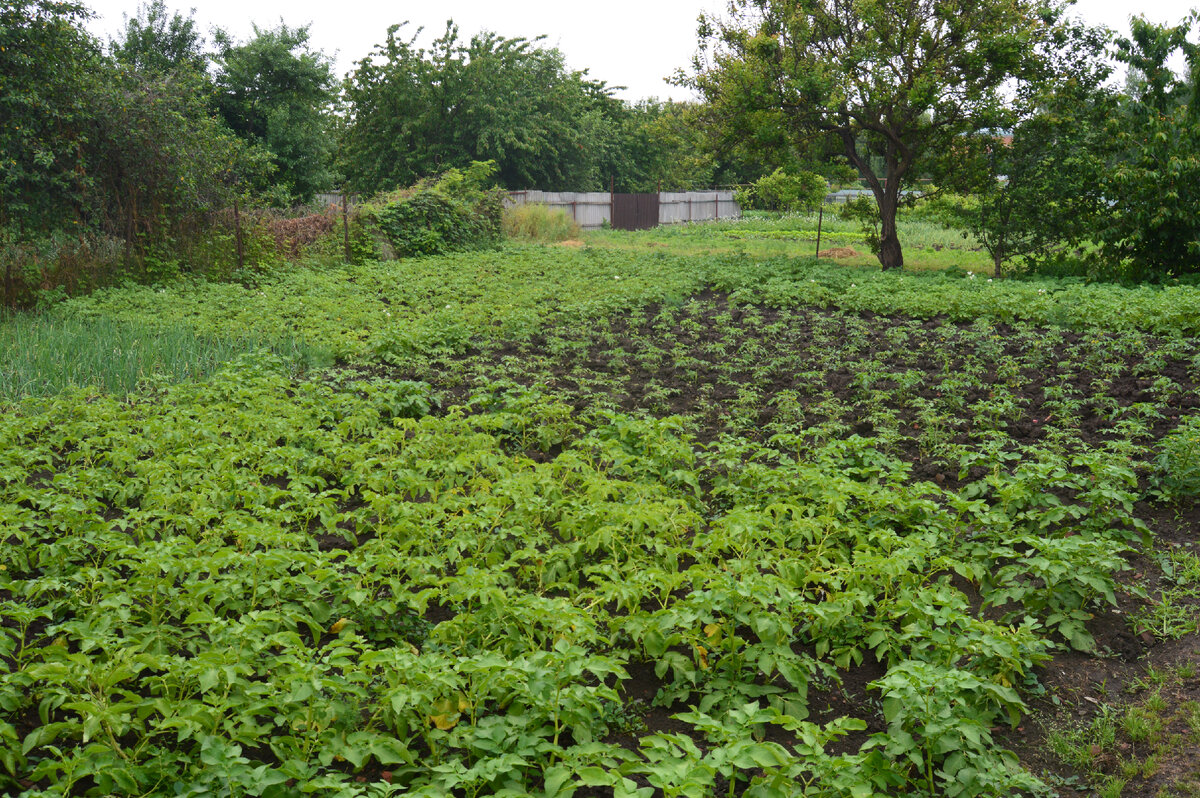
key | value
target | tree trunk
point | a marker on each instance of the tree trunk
(890, 254)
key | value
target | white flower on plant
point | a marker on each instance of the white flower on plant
(989, 279)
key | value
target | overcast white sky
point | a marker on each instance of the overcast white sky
(633, 43)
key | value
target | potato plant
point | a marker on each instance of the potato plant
(578, 523)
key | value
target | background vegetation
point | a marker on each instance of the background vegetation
(158, 154)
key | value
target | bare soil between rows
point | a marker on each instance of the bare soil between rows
(1077, 686)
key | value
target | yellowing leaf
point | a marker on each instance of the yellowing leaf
(339, 625)
(712, 631)
(447, 711)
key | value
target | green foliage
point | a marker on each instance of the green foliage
(950, 751)
(811, 70)
(865, 213)
(44, 103)
(536, 222)
(460, 552)
(415, 112)
(1040, 192)
(155, 43)
(1178, 463)
(43, 355)
(1155, 184)
(452, 213)
(782, 191)
(129, 166)
(153, 203)
(274, 91)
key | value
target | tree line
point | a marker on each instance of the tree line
(139, 143)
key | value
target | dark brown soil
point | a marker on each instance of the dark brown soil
(662, 361)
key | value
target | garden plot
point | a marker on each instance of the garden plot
(727, 544)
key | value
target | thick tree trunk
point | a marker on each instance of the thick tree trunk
(890, 254)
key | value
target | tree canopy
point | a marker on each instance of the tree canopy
(903, 82)
(47, 63)
(412, 112)
(158, 41)
(275, 91)
(1154, 184)
(415, 112)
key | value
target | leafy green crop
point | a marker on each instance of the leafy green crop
(563, 520)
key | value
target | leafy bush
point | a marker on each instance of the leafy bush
(537, 222)
(781, 191)
(452, 213)
(864, 211)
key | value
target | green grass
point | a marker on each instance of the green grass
(927, 246)
(41, 355)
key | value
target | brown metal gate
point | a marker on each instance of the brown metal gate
(634, 211)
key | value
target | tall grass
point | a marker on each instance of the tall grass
(41, 354)
(539, 223)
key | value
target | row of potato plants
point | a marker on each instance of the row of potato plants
(388, 311)
(259, 585)
(359, 586)
(973, 398)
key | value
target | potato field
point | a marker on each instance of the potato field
(599, 521)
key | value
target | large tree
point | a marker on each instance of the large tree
(47, 66)
(414, 112)
(1040, 191)
(157, 41)
(276, 92)
(899, 83)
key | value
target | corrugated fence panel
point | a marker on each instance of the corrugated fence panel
(592, 209)
(697, 206)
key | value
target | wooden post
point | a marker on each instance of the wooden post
(237, 233)
(346, 223)
(820, 218)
